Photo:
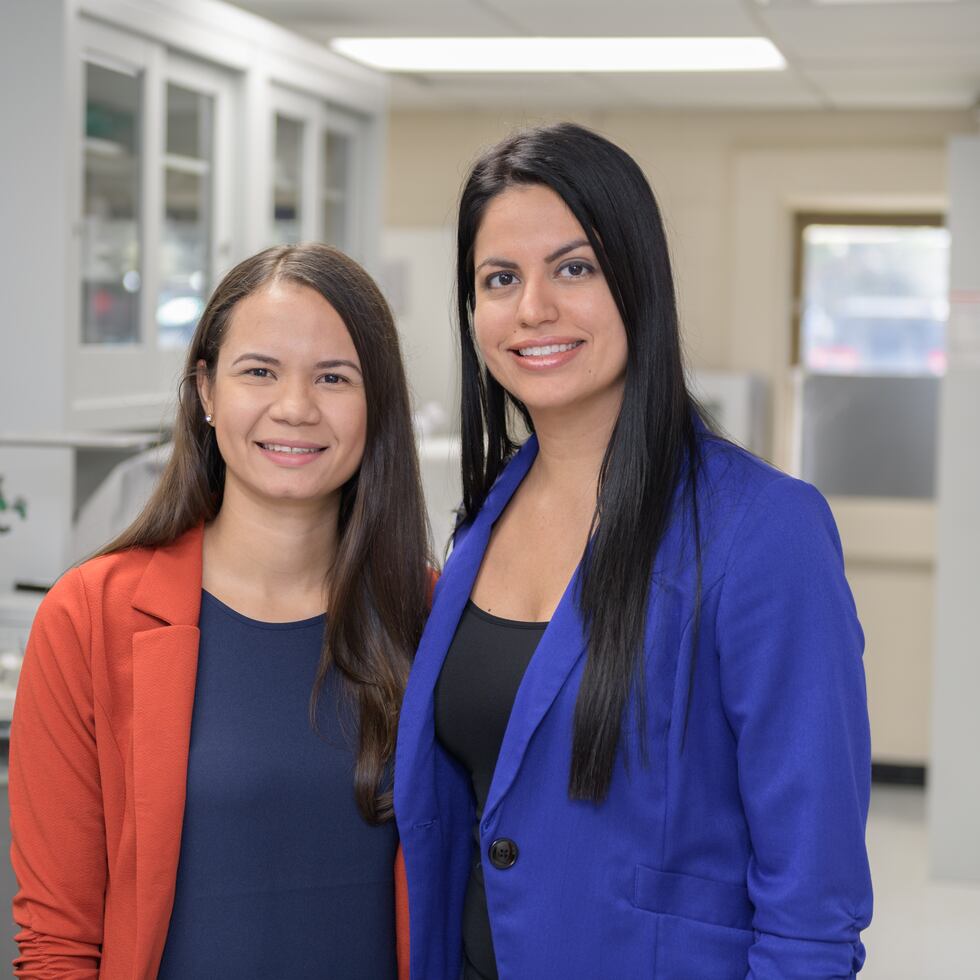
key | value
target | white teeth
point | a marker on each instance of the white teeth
(274, 447)
(550, 349)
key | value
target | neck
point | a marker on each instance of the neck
(572, 442)
(275, 554)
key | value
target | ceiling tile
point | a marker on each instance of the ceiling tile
(380, 18)
(902, 88)
(586, 92)
(489, 92)
(656, 18)
(872, 54)
(712, 90)
(872, 36)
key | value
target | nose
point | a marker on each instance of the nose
(295, 404)
(537, 303)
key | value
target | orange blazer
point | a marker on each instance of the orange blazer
(98, 766)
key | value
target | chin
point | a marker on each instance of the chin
(537, 400)
(569, 397)
(290, 494)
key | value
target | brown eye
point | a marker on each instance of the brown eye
(575, 270)
(501, 279)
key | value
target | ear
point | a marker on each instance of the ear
(204, 386)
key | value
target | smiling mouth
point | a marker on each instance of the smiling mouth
(275, 447)
(547, 349)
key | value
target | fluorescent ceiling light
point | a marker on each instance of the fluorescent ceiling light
(562, 54)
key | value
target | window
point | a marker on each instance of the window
(870, 343)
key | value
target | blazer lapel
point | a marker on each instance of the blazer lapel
(561, 647)
(416, 731)
(559, 650)
(164, 676)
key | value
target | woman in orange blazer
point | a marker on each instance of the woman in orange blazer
(174, 812)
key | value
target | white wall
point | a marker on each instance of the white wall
(417, 277)
(954, 794)
(35, 239)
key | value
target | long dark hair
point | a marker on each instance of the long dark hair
(379, 578)
(653, 448)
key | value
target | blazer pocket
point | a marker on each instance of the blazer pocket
(701, 899)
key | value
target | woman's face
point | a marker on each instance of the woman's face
(545, 320)
(287, 398)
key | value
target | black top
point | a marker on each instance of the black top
(474, 696)
(279, 875)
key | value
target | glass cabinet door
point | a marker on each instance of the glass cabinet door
(187, 160)
(288, 181)
(111, 260)
(342, 169)
(186, 247)
(336, 189)
(316, 174)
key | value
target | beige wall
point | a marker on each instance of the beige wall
(691, 159)
(728, 184)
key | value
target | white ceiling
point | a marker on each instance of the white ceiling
(855, 55)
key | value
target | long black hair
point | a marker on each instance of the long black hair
(379, 581)
(653, 449)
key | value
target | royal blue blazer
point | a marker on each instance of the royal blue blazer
(737, 852)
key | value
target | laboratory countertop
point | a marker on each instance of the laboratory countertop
(81, 440)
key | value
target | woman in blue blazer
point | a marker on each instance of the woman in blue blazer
(635, 742)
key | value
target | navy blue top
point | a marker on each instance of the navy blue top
(279, 874)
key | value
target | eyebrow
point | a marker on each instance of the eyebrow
(571, 246)
(275, 362)
(556, 254)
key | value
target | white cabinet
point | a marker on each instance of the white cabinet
(318, 163)
(174, 102)
(155, 223)
(144, 166)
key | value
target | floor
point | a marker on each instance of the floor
(922, 929)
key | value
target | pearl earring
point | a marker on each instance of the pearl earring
(207, 418)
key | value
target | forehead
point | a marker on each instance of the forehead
(288, 317)
(527, 219)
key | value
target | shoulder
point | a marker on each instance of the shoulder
(732, 477)
(115, 573)
(105, 586)
(100, 582)
(728, 470)
(748, 504)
